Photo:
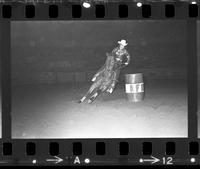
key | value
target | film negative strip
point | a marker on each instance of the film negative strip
(98, 82)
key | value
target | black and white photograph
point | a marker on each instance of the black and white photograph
(99, 79)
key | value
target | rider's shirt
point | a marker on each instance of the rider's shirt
(121, 55)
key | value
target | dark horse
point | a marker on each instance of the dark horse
(104, 80)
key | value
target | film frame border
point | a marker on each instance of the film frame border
(127, 9)
(112, 155)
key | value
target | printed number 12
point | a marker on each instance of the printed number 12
(168, 160)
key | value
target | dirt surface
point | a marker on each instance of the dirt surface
(52, 111)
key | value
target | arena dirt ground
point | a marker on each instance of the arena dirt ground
(52, 111)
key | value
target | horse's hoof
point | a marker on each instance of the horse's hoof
(89, 101)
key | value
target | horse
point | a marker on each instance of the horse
(102, 80)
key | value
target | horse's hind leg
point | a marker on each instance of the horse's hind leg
(94, 96)
(87, 95)
(84, 97)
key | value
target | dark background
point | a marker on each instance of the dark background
(71, 51)
(52, 65)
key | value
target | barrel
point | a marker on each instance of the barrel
(134, 87)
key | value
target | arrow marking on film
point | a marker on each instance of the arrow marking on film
(56, 160)
(152, 160)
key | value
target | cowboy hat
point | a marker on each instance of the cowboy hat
(122, 42)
